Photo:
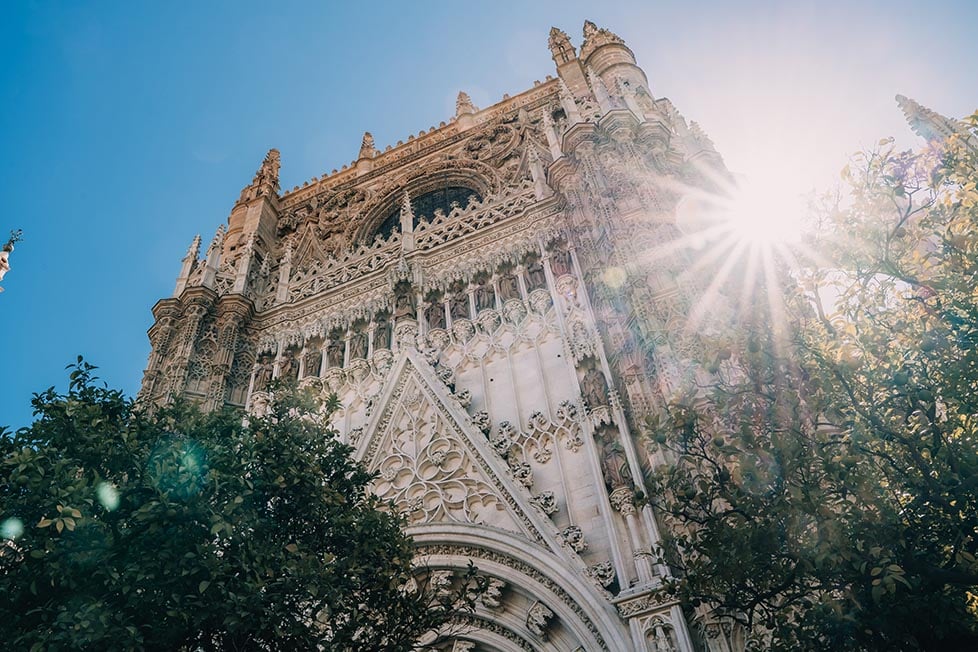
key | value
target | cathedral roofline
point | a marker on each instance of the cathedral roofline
(424, 140)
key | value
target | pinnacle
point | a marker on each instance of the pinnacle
(367, 149)
(463, 104)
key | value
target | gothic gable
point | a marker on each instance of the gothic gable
(436, 466)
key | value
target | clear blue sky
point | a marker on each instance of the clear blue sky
(127, 127)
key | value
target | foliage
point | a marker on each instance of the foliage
(822, 485)
(173, 529)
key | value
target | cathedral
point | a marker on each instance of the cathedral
(482, 300)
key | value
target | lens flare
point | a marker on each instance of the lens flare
(108, 496)
(12, 528)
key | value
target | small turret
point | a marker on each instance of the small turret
(565, 57)
(265, 182)
(560, 46)
(606, 53)
(253, 218)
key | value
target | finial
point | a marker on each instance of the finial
(406, 210)
(560, 46)
(193, 251)
(595, 37)
(568, 102)
(407, 223)
(367, 149)
(463, 104)
(265, 182)
(218, 239)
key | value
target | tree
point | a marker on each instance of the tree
(172, 529)
(822, 485)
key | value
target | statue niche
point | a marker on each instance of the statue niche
(436, 314)
(459, 305)
(382, 333)
(358, 345)
(334, 352)
(403, 302)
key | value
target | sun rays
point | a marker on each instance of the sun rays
(738, 240)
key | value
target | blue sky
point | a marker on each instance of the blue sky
(126, 128)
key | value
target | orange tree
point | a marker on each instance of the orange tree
(174, 529)
(822, 486)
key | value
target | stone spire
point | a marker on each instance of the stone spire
(265, 183)
(187, 268)
(926, 123)
(463, 104)
(569, 103)
(213, 264)
(367, 149)
(595, 37)
(193, 251)
(407, 223)
(600, 91)
(560, 46)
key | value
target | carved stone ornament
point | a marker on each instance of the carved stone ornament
(427, 472)
(523, 473)
(481, 421)
(623, 500)
(603, 573)
(492, 596)
(574, 537)
(546, 501)
(538, 619)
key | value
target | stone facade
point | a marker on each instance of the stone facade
(496, 306)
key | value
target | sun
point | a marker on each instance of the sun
(741, 237)
(761, 213)
(747, 211)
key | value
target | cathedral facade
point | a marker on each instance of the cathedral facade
(482, 300)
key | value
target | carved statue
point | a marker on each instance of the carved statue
(312, 362)
(459, 306)
(404, 306)
(536, 276)
(561, 262)
(289, 368)
(382, 334)
(614, 464)
(594, 388)
(358, 346)
(263, 375)
(334, 354)
(484, 299)
(509, 287)
(436, 316)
